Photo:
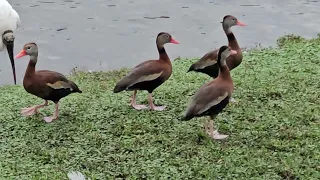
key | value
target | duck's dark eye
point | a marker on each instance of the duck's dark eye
(29, 48)
(167, 36)
(233, 19)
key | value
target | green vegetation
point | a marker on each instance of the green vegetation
(274, 127)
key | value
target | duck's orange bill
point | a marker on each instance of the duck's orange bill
(240, 23)
(21, 54)
(174, 41)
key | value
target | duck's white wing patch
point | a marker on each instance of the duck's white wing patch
(214, 102)
(147, 78)
(209, 62)
(60, 85)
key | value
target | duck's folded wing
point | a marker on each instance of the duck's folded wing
(51, 76)
(208, 59)
(56, 80)
(206, 97)
(146, 71)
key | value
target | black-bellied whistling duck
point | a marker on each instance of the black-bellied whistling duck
(208, 63)
(149, 74)
(214, 96)
(45, 84)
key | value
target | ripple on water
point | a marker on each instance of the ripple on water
(53, 57)
(61, 29)
(157, 17)
(46, 2)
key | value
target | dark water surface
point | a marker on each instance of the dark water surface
(110, 34)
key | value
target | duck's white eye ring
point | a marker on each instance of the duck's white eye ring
(29, 47)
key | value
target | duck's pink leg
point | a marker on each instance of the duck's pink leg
(134, 102)
(55, 114)
(33, 110)
(214, 134)
(154, 107)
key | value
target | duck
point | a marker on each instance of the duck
(213, 96)
(9, 22)
(45, 84)
(148, 75)
(208, 63)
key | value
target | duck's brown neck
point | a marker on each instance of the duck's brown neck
(31, 69)
(224, 71)
(162, 53)
(231, 38)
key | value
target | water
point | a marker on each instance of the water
(110, 34)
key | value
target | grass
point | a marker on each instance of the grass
(274, 127)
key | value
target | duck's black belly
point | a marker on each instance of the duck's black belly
(56, 94)
(212, 71)
(214, 110)
(148, 85)
(47, 93)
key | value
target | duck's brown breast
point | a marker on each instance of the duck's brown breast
(36, 86)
